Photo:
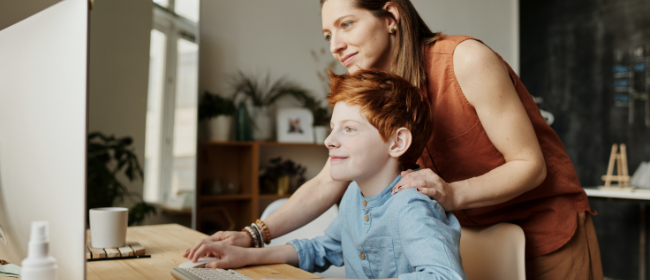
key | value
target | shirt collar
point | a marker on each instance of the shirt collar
(383, 196)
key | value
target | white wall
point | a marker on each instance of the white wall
(43, 132)
(119, 72)
(277, 36)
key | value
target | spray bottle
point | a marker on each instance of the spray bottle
(39, 265)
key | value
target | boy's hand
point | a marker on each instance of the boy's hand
(235, 238)
(230, 256)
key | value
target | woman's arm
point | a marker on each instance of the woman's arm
(487, 86)
(310, 201)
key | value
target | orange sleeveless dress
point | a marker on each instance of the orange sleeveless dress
(459, 149)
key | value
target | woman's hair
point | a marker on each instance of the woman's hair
(388, 102)
(412, 36)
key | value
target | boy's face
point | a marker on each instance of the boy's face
(356, 149)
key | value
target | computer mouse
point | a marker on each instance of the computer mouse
(199, 264)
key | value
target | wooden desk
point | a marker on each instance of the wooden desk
(166, 244)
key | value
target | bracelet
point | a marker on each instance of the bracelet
(257, 231)
(266, 231)
(249, 236)
(254, 236)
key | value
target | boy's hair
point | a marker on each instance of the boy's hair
(388, 102)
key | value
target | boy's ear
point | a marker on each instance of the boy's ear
(400, 142)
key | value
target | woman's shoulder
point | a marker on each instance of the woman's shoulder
(446, 44)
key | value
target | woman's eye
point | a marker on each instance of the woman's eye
(347, 24)
(328, 37)
(349, 129)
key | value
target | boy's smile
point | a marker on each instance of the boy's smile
(357, 152)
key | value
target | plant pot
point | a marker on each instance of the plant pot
(320, 133)
(263, 128)
(220, 128)
(283, 185)
(244, 130)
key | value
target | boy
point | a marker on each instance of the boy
(376, 235)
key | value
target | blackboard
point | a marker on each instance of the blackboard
(588, 60)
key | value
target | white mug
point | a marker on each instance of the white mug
(108, 226)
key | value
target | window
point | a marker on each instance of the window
(170, 148)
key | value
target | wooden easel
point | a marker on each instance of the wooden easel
(620, 159)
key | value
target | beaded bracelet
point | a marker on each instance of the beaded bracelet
(254, 236)
(250, 236)
(266, 231)
(257, 231)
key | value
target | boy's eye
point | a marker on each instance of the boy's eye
(346, 24)
(349, 129)
(328, 37)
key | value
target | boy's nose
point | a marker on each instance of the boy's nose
(330, 141)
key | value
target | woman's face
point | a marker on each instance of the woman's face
(357, 38)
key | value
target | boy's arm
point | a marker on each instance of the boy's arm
(254, 256)
(234, 257)
(316, 255)
(311, 255)
(430, 239)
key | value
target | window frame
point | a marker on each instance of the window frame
(174, 27)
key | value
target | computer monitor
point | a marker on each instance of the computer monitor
(43, 96)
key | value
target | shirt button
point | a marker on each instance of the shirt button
(365, 203)
(367, 218)
(363, 256)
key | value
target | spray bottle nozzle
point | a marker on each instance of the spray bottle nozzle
(39, 232)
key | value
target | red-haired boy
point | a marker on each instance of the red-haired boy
(380, 126)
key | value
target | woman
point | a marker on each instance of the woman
(491, 157)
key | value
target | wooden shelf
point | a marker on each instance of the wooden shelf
(274, 196)
(230, 161)
(225, 197)
(258, 143)
(175, 211)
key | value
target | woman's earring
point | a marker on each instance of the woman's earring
(392, 30)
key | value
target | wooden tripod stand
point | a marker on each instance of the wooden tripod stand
(620, 160)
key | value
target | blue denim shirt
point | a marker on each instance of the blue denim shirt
(407, 235)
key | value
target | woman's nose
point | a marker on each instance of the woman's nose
(337, 44)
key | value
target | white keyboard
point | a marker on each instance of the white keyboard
(207, 274)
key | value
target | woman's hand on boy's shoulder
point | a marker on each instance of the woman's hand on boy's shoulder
(427, 182)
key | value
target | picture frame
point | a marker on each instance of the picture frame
(294, 125)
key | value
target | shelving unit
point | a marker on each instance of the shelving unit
(240, 162)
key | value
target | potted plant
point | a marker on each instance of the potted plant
(108, 159)
(218, 111)
(263, 93)
(282, 177)
(321, 118)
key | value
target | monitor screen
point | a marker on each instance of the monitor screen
(43, 61)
